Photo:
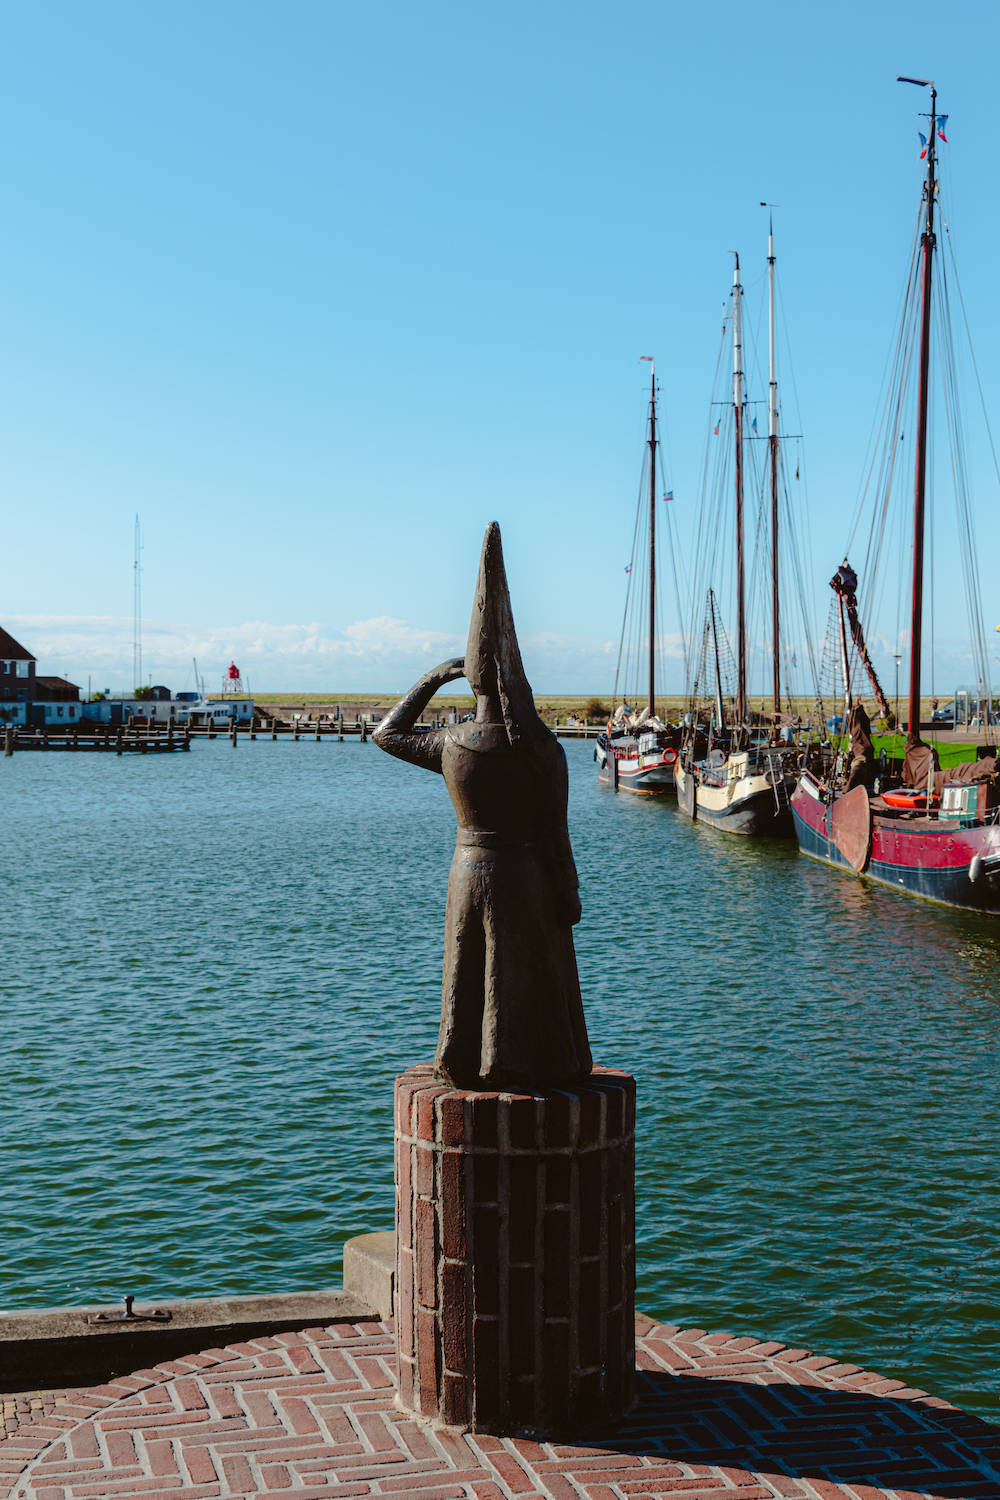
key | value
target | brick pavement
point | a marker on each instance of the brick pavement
(311, 1414)
(22, 1408)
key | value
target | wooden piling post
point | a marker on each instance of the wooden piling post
(364, 732)
(118, 741)
(232, 734)
(8, 740)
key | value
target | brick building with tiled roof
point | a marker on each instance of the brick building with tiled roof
(19, 681)
(56, 690)
(17, 670)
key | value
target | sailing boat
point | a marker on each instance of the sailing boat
(936, 834)
(745, 790)
(637, 752)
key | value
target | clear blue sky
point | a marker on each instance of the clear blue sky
(321, 288)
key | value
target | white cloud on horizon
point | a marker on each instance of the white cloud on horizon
(379, 655)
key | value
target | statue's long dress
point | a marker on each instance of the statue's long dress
(511, 1010)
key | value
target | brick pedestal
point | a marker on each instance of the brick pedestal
(515, 1257)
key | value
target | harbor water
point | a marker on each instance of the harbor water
(215, 963)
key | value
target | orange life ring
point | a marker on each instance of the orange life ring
(908, 801)
(669, 756)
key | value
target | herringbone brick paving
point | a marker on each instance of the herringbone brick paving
(22, 1408)
(311, 1414)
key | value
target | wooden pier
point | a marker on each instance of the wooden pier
(112, 739)
(154, 738)
(159, 739)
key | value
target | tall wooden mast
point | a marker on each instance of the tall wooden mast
(772, 443)
(742, 712)
(927, 244)
(652, 539)
(137, 609)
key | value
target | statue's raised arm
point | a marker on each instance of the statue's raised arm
(396, 732)
(511, 1013)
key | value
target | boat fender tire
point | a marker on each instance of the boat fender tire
(975, 866)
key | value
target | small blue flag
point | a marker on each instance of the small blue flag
(629, 568)
(669, 495)
(753, 424)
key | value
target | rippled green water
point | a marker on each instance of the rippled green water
(211, 971)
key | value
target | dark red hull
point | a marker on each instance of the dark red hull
(929, 857)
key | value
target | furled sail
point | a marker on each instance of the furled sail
(845, 584)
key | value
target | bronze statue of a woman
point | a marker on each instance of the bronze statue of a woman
(511, 1012)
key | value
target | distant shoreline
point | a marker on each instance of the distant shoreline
(558, 702)
(565, 706)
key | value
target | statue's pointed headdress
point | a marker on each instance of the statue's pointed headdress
(492, 653)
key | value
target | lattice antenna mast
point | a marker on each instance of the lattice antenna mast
(137, 609)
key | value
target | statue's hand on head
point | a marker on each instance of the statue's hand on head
(449, 670)
(395, 733)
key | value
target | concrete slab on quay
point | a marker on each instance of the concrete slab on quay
(57, 1347)
(311, 1414)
